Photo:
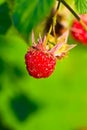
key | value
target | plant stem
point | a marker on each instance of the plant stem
(74, 13)
(70, 9)
(58, 5)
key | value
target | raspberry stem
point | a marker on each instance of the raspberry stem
(74, 13)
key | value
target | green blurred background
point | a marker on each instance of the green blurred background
(56, 103)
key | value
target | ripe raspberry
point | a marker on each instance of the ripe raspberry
(40, 64)
(78, 32)
(41, 59)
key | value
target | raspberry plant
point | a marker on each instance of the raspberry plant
(25, 19)
(41, 59)
(63, 96)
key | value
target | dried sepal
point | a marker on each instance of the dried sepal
(58, 47)
(61, 48)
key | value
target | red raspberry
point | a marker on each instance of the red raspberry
(78, 32)
(41, 58)
(40, 64)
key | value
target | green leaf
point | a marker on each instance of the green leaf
(81, 6)
(29, 13)
(5, 20)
